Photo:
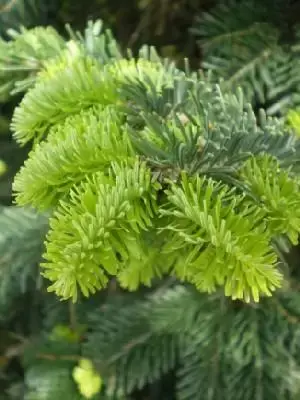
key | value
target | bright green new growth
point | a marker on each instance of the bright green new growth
(214, 227)
(101, 220)
(30, 51)
(150, 171)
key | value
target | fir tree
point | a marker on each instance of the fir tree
(156, 177)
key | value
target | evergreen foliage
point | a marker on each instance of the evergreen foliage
(151, 175)
(206, 207)
(217, 349)
(28, 51)
(19, 258)
(255, 45)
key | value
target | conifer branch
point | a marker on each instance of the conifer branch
(138, 192)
